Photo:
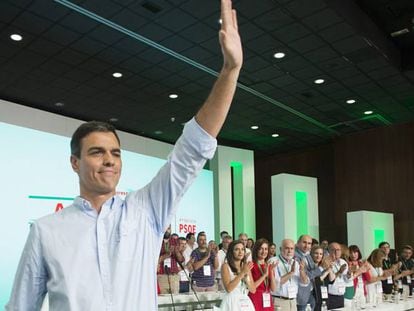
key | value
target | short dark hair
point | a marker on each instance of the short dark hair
(256, 248)
(355, 249)
(383, 243)
(189, 235)
(87, 128)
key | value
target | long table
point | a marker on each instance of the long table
(189, 302)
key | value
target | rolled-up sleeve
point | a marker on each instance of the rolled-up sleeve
(189, 155)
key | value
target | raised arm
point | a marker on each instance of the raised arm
(212, 114)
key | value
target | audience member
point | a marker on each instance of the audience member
(263, 277)
(203, 263)
(289, 275)
(302, 254)
(336, 290)
(237, 280)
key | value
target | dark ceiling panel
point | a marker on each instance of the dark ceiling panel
(68, 57)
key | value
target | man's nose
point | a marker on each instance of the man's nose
(108, 159)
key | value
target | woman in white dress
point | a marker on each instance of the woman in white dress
(374, 285)
(237, 280)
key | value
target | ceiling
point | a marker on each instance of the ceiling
(70, 50)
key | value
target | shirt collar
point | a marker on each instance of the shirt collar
(85, 206)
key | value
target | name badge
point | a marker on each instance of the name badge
(244, 303)
(389, 280)
(292, 291)
(266, 300)
(408, 279)
(399, 284)
(324, 292)
(207, 270)
(167, 262)
(183, 276)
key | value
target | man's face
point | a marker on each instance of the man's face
(202, 241)
(406, 253)
(182, 245)
(386, 249)
(287, 249)
(324, 244)
(335, 251)
(226, 242)
(243, 239)
(305, 244)
(99, 166)
(191, 240)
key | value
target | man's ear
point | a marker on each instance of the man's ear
(74, 161)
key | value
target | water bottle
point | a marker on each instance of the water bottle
(308, 307)
(324, 306)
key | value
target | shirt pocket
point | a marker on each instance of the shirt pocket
(126, 241)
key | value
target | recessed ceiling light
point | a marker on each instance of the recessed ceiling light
(117, 75)
(158, 132)
(368, 112)
(173, 96)
(254, 127)
(319, 81)
(275, 135)
(59, 104)
(113, 120)
(351, 101)
(279, 55)
(16, 37)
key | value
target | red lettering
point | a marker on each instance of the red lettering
(58, 207)
(186, 228)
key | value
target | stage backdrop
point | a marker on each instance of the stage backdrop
(37, 180)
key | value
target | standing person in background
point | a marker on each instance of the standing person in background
(243, 238)
(388, 262)
(250, 243)
(237, 280)
(190, 246)
(221, 254)
(376, 275)
(406, 269)
(263, 277)
(289, 275)
(359, 274)
(302, 254)
(324, 263)
(222, 235)
(203, 263)
(336, 290)
(325, 246)
(272, 250)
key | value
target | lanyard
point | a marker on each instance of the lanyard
(386, 264)
(284, 265)
(263, 273)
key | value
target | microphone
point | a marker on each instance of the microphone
(167, 271)
(191, 284)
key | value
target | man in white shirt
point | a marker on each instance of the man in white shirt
(248, 252)
(336, 290)
(289, 275)
(89, 256)
(190, 246)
